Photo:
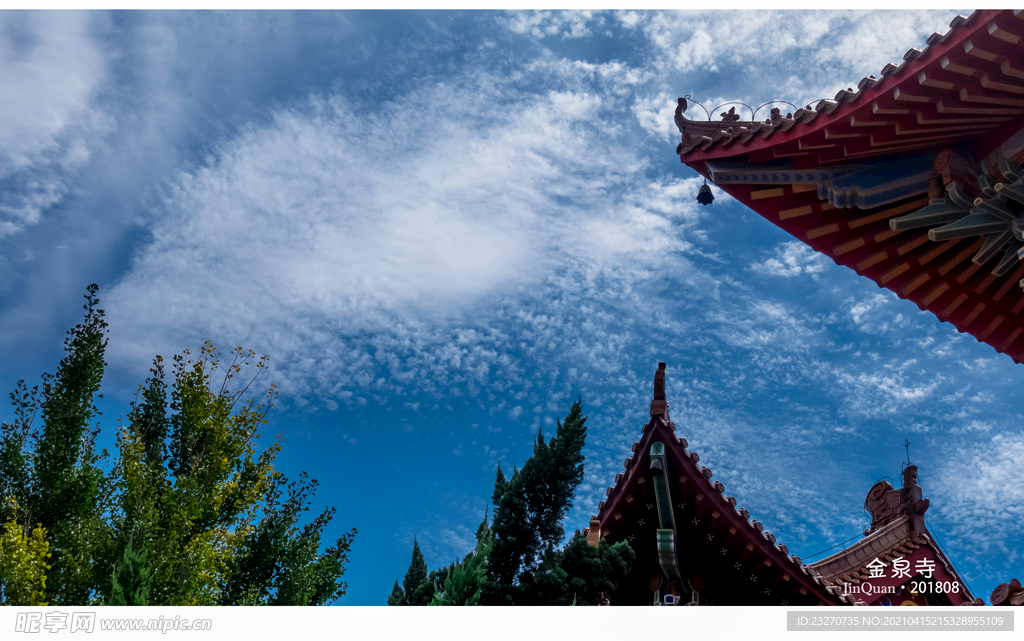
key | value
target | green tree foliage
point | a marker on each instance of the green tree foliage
(594, 571)
(15, 457)
(500, 485)
(23, 564)
(67, 482)
(528, 515)
(191, 512)
(465, 579)
(129, 584)
(53, 472)
(198, 508)
(414, 584)
(277, 563)
(518, 559)
(578, 574)
(397, 596)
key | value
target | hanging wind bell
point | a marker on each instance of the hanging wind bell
(704, 195)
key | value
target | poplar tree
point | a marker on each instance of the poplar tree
(23, 565)
(191, 513)
(277, 563)
(58, 480)
(190, 478)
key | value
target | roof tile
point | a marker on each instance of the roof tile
(912, 54)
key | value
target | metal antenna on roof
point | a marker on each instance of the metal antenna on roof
(906, 444)
(732, 116)
(687, 97)
(772, 102)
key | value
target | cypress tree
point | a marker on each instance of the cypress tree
(415, 577)
(397, 596)
(518, 559)
(528, 519)
(129, 583)
(483, 533)
(500, 485)
(432, 586)
(593, 571)
(578, 573)
(464, 582)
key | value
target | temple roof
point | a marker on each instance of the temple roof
(744, 555)
(719, 546)
(894, 540)
(897, 529)
(913, 179)
(909, 106)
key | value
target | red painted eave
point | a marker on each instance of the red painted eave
(914, 108)
(965, 295)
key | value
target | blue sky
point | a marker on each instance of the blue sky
(444, 226)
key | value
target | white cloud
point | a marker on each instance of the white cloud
(764, 325)
(541, 24)
(655, 115)
(617, 78)
(919, 428)
(628, 19)
(792, 258)
(401, 225)
(979, 501)
(973, 426)
(979, 365)
(897, 387)
(867, 313)
(51, 69)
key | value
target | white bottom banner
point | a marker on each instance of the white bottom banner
(383, 623)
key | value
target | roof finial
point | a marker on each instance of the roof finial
(659, 405)
(909, 472)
